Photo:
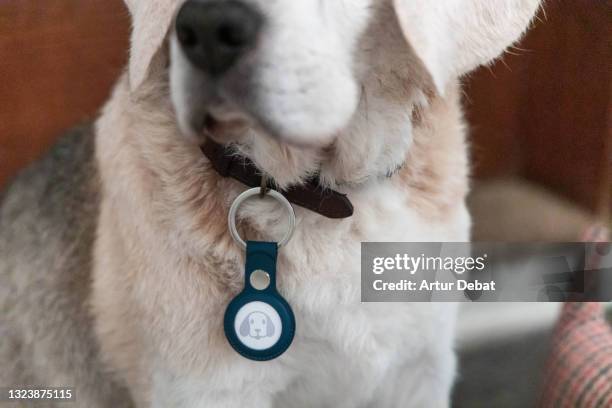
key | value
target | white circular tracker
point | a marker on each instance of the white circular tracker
(231, 218)
(258, 326)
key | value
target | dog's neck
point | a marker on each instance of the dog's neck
(373, 146)
(166, 167)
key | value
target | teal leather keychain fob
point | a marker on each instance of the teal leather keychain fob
(259, 323)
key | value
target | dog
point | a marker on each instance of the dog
(257, 325)
(116, 263)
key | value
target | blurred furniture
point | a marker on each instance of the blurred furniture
(519, 210)
(543, 113)
(578, 370)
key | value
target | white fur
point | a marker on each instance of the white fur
(340, 78)
(299, 83)
(452, 37)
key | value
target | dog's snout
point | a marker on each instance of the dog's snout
(215, 34)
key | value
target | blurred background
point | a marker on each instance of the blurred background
(541, 136)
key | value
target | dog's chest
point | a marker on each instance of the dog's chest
(320, 272)
(323, 261)
(340, 340)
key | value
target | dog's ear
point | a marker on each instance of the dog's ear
(245, 327)
(269, 327)
(151, 20)
(452, 37)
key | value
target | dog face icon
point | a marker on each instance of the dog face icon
(257, 325)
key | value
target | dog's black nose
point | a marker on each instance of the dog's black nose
(214, 34)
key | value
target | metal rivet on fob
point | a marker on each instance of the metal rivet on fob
(260, 279)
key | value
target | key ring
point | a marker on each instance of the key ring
(231, 218)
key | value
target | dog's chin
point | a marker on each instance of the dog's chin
(197, 128)
(228, 128)
(304, 138)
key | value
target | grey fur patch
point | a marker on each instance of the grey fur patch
(48, 220)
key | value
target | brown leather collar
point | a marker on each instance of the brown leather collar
(310, 195)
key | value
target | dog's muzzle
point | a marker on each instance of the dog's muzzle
(215, 34)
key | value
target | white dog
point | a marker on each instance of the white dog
(363, 95)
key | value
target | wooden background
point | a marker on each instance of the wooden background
(543, 113)
(58, 61)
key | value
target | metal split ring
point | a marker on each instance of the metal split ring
(231, 218)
